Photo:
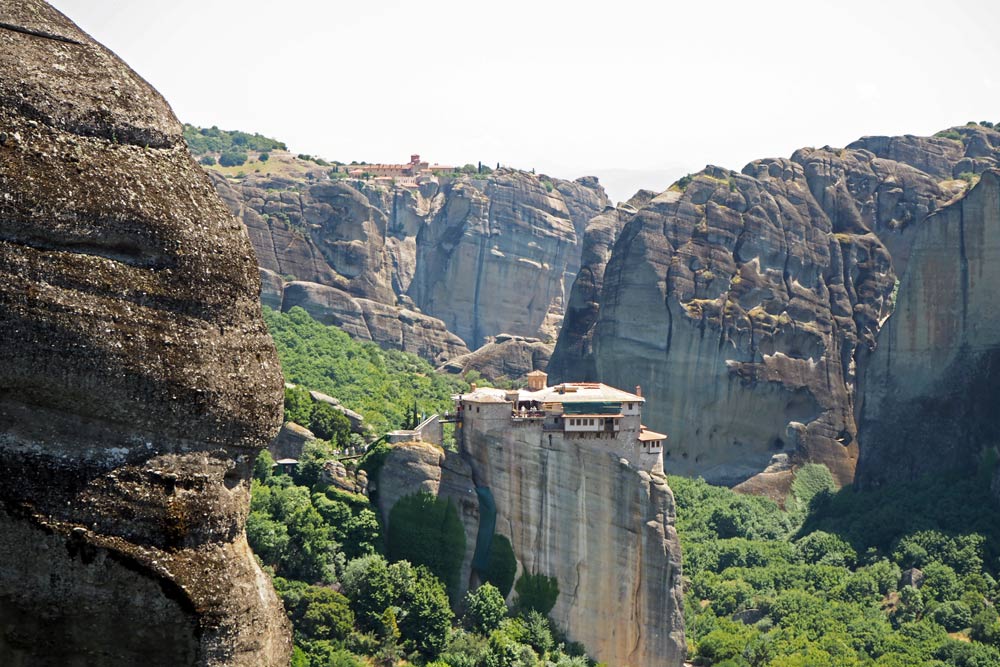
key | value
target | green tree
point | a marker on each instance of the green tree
(484, 608)
(821, 548)
(263, 467)
(233, 158)
(328, 423)
(268, 538)
(536, 591)
(426, 530)
(322, 613)
(298, 405)
(424, 618)
(501, 568)
(264, 157)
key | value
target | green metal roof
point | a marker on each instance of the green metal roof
(593, 408)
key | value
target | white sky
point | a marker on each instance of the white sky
(637, 92)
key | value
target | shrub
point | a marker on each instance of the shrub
(502, 565)
(536, 591)
(207, 160)
(232, 158)
(264, 157)
(949, 134)
(484, 608)
(813, 483)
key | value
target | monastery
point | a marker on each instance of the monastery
(400, 172)
(585, 413)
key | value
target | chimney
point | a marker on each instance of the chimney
(472, 387)
(638, 390)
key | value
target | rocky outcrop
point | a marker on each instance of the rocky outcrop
(931, 383)
(420, 467)
(574, 359)
(392, 327)
(576, 514)
(357, 421)
(473, 257)
(603, 529)
(290, 441)
(742, 302)
(137, 379)
(504, 357)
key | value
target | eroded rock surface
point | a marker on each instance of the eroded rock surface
(462, 256)
(420, 467)
(931, 384)
(504, 357)
(137, 379)
(603, 529)
(741, 302)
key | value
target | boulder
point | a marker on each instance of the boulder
(290, 441)
(505, 357)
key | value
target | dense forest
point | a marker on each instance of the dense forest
(894, 577)
(382, 385)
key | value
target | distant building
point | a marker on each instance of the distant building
(571, 411)
(415, 167)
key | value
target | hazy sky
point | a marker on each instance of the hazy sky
(638, 93)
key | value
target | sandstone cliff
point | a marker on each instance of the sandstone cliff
(741, 301)
(574, 358)
(461, 256)
(137, 379)
(604, 530)
(931, 384)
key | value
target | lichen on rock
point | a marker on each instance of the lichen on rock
(137, 378)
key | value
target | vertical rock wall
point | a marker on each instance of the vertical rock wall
(468, 257)
(137, 379)
(744, 303)
(604, 530)
(575, 512)
(931, 384)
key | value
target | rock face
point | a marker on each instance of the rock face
(604, 530)
(742, 302)
(574, 511)
(575, 356)
(503, 357)
(419, 467)
(472, 257)
(931, 383)
(137, 379)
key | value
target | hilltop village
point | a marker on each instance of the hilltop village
(402, 174)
